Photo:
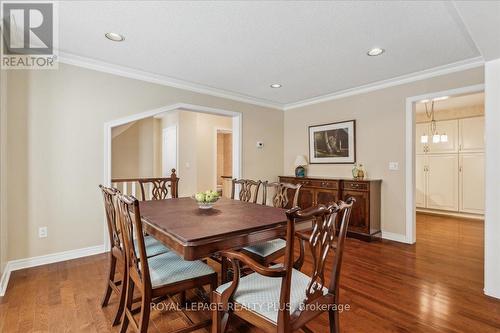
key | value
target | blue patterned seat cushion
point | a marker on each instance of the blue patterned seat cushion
(261, 294)
(153, 246)
(265, 249)
(168, 268)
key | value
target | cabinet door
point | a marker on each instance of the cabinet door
(421, 129)
(306, 196)
(360, 211)
(326, 196)
(471, 134)
(472, 183)
(442, 182)
(420, 177)
(450, 128)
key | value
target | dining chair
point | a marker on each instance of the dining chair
(281, 298)
(154, 277)
(283, 195)
(158, 188)
(117, 252)
(249, 189)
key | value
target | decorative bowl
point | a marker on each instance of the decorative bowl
(205, 204)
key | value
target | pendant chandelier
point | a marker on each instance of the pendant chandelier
(436, 137)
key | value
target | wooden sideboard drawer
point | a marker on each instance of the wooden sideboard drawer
(356, 186)
(365, 215)
(332, 184)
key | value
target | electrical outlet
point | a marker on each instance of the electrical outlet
(42, 232)
(394, 166)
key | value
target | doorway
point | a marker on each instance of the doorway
(169, 150)
(224, 160)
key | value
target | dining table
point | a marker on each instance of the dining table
(196, 233)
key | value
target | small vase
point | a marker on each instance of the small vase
(361, 172)
(355, 171)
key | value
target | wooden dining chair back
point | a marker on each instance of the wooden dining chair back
(157, 276)
(158, 188)
(281, 195)
(288, 304)
(248, 189)
(116, 253)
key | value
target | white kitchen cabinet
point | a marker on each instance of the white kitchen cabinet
(442, 182)
(450, 128)
(472, 183)
(471, 137)
(420, 180)
(421, 129)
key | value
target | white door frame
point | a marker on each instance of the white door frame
(216, 131)
(163, 173)
(410, 213)
(236, 130)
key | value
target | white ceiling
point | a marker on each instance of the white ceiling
(312, 48)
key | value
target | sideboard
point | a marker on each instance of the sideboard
(365, 215)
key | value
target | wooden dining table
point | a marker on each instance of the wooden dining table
(196, 233)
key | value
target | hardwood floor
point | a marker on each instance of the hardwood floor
(433, 286)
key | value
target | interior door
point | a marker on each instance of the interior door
(442, 182)
(450, 128)
(472, 134)
(169, 150)
(420, 180)
(472, 183)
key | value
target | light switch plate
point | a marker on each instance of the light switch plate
(394, 166)
(42, 232)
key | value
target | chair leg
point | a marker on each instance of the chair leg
(334, 321)
(216, 314)
(145, 312)
(111, 278)
(128, 306)
(121, 302)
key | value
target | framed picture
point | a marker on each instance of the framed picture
(333, 143)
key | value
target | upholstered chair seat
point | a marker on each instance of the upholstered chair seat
(261, 293)
(153, 246)
(265, 249)
(168, 268)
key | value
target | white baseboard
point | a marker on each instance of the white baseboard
(394, 237)
(15, 265)
(492, 293)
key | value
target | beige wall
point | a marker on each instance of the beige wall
(196, 148)
(380, 135)
(3, 139)
(55, 140)
(133, 150)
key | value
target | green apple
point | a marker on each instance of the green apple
(200, 196)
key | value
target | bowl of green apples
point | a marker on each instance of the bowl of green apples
(207, 199)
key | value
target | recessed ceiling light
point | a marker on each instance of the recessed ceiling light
(376, 51)
(114, 37)
(275, 85)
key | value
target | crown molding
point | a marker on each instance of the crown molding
(412, 77)
(101, 66)
(128, 72)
